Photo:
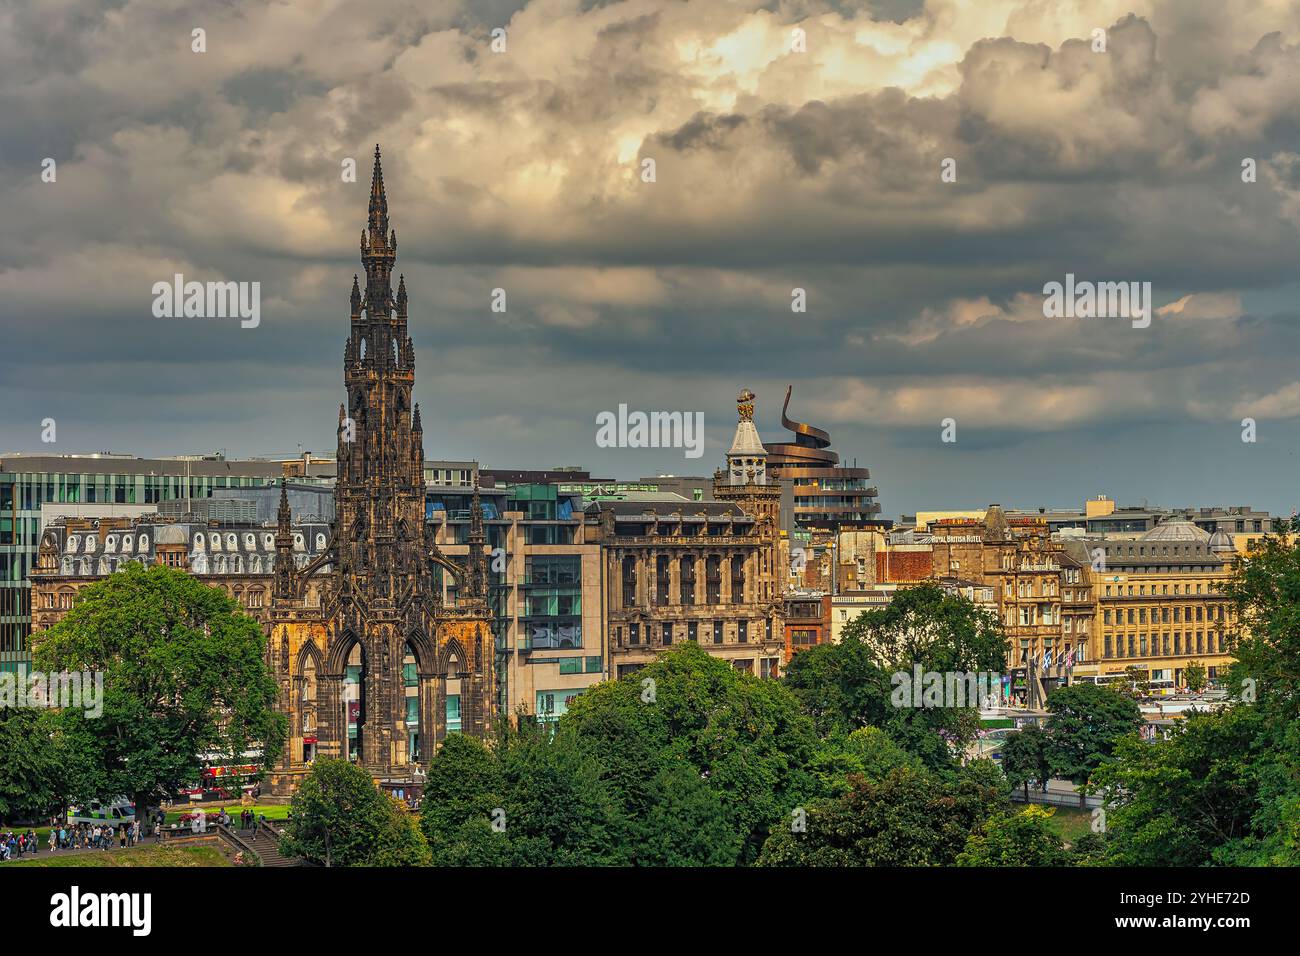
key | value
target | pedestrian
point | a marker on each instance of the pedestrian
(53, 840)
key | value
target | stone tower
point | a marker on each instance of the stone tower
(746, 483)
(348, 663)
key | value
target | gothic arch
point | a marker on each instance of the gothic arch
(337, 659)
(310, 652)
(426, 654)
(453, 649)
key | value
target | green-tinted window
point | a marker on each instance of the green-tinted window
(593, 665)
(570, 665)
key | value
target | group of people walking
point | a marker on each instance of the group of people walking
(77, 836)
(14, 845)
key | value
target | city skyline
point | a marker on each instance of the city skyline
(520, 170)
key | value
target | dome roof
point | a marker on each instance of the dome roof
(171, 534)
(1177, 529)
(1221, 541)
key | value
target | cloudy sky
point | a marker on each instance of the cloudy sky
(774, 170)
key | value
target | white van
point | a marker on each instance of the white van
(116, 811)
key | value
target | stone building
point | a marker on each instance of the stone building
(705, 571)
(370, 660)
(1042, 586)
(1160, 603)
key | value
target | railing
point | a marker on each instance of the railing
(1090, 801)
(238, 842)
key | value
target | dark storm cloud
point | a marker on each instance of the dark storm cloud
(774, 171)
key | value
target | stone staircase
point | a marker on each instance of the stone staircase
(263, 841)
(267, 845)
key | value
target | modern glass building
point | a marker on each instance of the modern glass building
(544, 588)
(37, 488)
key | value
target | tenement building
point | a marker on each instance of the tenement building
(36, 489)
(705, 571)
(370, 659)
(1042, 587)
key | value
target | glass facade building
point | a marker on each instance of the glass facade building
(94, 485)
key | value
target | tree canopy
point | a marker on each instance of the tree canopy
(184, 674)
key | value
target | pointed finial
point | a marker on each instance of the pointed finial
(415, 421)
(285, 515)
(378, 203)
(356, 294)
(476, 515)
(401, 290)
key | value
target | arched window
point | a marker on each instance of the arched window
(354, 701)
(411, 703)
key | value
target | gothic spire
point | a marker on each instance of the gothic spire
(378, 202)
(476, 561)
(284, 569)
(378, 249)
(476, 517)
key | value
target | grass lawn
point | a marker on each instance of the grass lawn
(272, 811)
(169, 856)
(1070, 823)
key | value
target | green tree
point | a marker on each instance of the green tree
(33, 777)
(1086, 722)
(338, 817)
(910, 818)
(1194, 676)
(686, 825)
(1203, 795)
(527, 798)
(745, 738)
(852, 684)
(1026, 838)
(1027, 755)
(1137, 681)
(184, 674)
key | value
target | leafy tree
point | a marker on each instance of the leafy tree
(1224, 787)
(745, 738)
(910, 818)
(1194, 676)
(1265, 592)
(32, 770)
(851, 685)
(338, 817)
(1137, 681)
(1026, 838)
(1027, 755)
(525, 799)
(1201, 795)
(873, 753)
(184, 674)
(559, 811)
(686, 825)
(1087, 721)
